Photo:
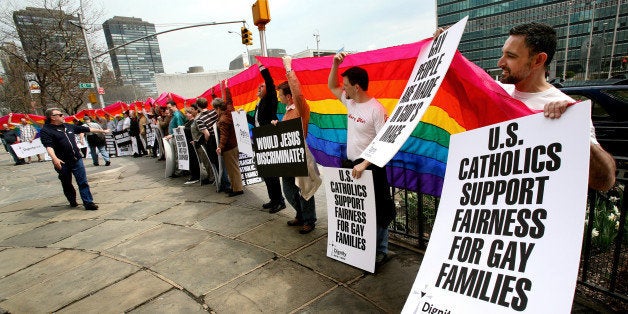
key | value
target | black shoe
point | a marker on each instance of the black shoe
(96, 164)
(108, 163)
(135, 155)
(73, 204)
(277, 207)
(306, 229)
(232, 194)
(380, 259)
(268, 205)
(90, 206)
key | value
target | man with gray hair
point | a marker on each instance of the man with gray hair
(60, 141)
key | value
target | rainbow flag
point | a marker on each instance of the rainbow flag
(467, 99)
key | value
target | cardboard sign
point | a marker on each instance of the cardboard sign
(427, 75)
(352, 222)
(280, 149)
(26, 149)
(123, 143)
(242, 133)
(183, 154)
(508, 231)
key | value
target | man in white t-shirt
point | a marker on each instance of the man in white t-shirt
(365, 117)
(526, 54)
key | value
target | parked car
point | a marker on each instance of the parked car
(609, 114)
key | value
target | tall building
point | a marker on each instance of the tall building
(137, 63)
(52, 39)
(603, 23)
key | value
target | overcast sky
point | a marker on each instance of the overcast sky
(357, 25)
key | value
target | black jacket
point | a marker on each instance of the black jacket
(267, 107)
(62, 139)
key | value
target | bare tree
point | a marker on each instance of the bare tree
(49, 43)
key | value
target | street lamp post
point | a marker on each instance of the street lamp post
(91, 62)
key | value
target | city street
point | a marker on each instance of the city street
(156, 245)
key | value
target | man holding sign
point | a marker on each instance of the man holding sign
(526, 55)
(365, 117)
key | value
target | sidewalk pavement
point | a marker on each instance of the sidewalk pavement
(157, 246)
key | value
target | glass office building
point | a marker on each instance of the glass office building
(52, 39)
(603, 23)
(135, 64)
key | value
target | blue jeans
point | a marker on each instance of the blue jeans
(306, 210)
(382, 239)
(103, 152)
(65, 176)
(224, 178)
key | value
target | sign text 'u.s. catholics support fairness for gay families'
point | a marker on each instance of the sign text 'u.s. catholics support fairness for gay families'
(351, 217)
(508, 231)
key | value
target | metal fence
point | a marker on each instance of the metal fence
(603, 269)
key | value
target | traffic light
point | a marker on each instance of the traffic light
(92, 98)
(247, 36)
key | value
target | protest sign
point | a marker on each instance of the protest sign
(183, 156)
(123, 143)
(508, 231)
(26, 149)
(110, 144)
(352, 223)
(280, 149)
(248, 170)
(243, 137)
(427, 76)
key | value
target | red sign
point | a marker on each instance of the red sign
(101, 91)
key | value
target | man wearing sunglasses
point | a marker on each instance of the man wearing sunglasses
(60, 141)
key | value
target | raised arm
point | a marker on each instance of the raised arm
(332, 82)
(295, 88)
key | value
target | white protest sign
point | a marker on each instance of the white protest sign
(352, 223)
(26, 149)
(427, 76)
(242, 133)
(508, 231)
(183, 156)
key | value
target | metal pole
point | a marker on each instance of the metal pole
(567, 42)
(610, 65)
(586, 71)
(262, 39)
(91, 61)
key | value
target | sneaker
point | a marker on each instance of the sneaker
(236, 193)
(277, 207)
(90, 206)
(108, 163)
(191, 181)
(295, 222)
(306, 229)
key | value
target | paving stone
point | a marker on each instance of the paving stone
(7, 231)
(122, 296)
(14, 259)
(174, 301)
(140, 210)
(187, 213)
(61, 290)
(340, 300)
(35, 214)
(159, 244)
(315, 257)
(106, 235)
(278, 237)
(50, 233)
(232, 221)
(80, 213)
(43, 270)
(390, 285)
(214, 261)
(279, 287)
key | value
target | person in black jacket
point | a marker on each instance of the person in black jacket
(59, 138)
(134, 130)
(265, 112)
(9, 137)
